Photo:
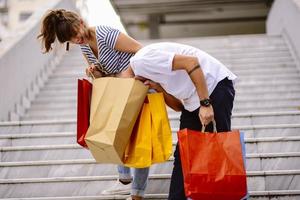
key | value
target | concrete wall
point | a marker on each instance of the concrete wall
(23, 68)
(16, 7)
(283, 19)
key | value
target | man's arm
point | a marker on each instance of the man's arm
(193, 68)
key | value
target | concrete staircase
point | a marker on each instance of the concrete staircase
(41, 160)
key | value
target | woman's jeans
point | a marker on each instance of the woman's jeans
(140, 177)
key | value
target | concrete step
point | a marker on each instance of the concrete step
(57, 138)
(79, 68)
(240, 99)
(68, 108)
(247, 93)
(45, 151)
(88, 167)
(255, 195)
(255, 76)
(250, 118)
(64, 125)
(157, 183)
(240, 84)
(271, 97)
(37, 126)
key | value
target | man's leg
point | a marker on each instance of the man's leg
(222, 101)
(188, 120)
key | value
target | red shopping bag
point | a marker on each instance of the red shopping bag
(83, 109)
(212, 165)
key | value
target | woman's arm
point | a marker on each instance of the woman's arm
(92, 69)
(127, 44)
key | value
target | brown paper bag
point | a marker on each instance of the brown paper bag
(115, 106)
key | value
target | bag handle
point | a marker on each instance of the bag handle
(214, 127)
(92, 75)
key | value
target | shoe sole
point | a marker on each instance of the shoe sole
(120, 192)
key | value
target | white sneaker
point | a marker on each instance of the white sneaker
(118, 188)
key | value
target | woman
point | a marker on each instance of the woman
(107, 52)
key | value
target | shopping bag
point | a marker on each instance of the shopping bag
(84, 91)
(161, 130)
(212, 165)
(151, 140)
(115, 106)
(138, 153)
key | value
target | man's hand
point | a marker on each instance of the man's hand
(206, 114)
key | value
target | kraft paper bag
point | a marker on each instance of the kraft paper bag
(115, 105)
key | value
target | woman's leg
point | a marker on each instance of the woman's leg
(124, 174)
(122, 185)
(140, 178)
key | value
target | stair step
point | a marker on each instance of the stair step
(74, 151)
(257, 195)
(17, 139)
(250, 118)
(87, 167)
(65, 186)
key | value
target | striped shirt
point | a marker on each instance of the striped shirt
(110, 60)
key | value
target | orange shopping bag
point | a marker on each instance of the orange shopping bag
(212, 165)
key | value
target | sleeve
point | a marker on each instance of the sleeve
(108, 35)
(152, 61)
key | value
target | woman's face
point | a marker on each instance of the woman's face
(80, 38)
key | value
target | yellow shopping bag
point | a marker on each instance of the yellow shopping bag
(151, 140)
(161, 131)
(138, 153)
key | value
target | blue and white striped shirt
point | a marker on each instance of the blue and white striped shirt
(110, 60)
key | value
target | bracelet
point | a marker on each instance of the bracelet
(192, 70)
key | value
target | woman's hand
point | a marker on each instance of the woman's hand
(206, 114)
(92, 69)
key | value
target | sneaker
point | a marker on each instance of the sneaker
(118, 188)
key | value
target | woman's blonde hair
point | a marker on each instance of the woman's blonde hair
(60, 24)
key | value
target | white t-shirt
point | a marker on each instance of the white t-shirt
(154, 62)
